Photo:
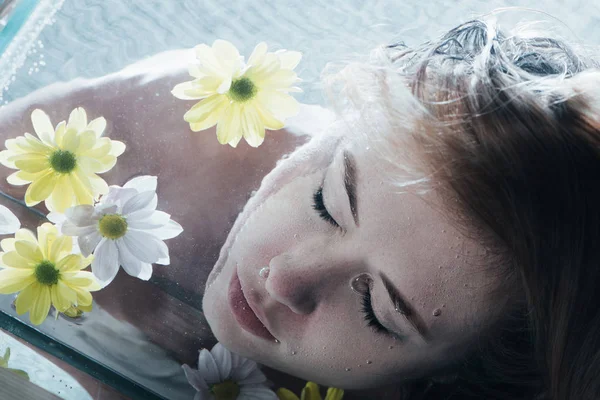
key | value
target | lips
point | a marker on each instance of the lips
(243, 312)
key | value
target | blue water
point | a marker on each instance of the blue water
(94, 37)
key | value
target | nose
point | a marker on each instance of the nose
(301, 282)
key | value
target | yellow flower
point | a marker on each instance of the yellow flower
(4, 364)
(241, 99)
(45, 273)
(61, 163)
(310, 392)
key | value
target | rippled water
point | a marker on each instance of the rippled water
(89, 38)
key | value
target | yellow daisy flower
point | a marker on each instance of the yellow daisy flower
(61, 163)
(45, 273)
(310, 392)
(243, 100)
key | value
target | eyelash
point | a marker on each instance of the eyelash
(367, 305)
(369, 314)
(319, 206)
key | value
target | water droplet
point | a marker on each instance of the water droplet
(437, 312)
(324, 347)
(243, 308)
(293, 353)
(348, 369)
(443, 305)
(295, 235)
(264, 272)
(369, 362)
(277, 341)
(391, 347)
(465, 285)
(359, 365)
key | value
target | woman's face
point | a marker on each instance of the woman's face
(331, 257)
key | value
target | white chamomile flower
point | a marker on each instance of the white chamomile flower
(223, 375)
(124, 229)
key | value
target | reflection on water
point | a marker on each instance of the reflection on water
(41, 371)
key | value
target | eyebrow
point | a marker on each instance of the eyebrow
(403, 307)
(350, 183)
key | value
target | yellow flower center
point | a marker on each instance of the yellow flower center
(226, 390)
(112, 226)
(242, 90)
(63, 161)
(46, 273)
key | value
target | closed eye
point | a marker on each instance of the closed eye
(319, 206)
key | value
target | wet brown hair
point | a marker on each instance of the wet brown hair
(507, 128)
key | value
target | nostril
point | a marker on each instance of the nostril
(294, 294)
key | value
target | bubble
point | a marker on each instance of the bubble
(437, 312)
(293, 353)
(369, 362)
(348, 369)
(264, 272)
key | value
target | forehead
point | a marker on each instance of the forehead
(408, 237)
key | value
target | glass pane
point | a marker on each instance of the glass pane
(121, 60)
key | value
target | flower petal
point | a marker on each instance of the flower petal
(228, 56)
(18, 178)
(229, 127)
(195, 378)
(14, 280)
(289, 59)
(169, 231)
(81, 215)
(142, 183)
(33, 164)
(12, 259)
(98, 126)
(41, 122)
(62, 196)
(41, 305)
(138, 202)
(106, 261)
(155, 220)
(9, 223)
(252, 127)
(40, 189)
(258, 54)
(207, 112)
(286, 394)
(208, 367)
(72, 262)
(26, 298)
(256, 392)
(77, 119)
(87, 243)
(188, 91)
(117, 148)
(131, 264)
(280, 105)
(29, 251)
(222, 358)
(145, 246)
(62, 296)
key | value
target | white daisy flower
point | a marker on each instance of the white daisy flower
(9, 223)
(124, 229)
(223, 375)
